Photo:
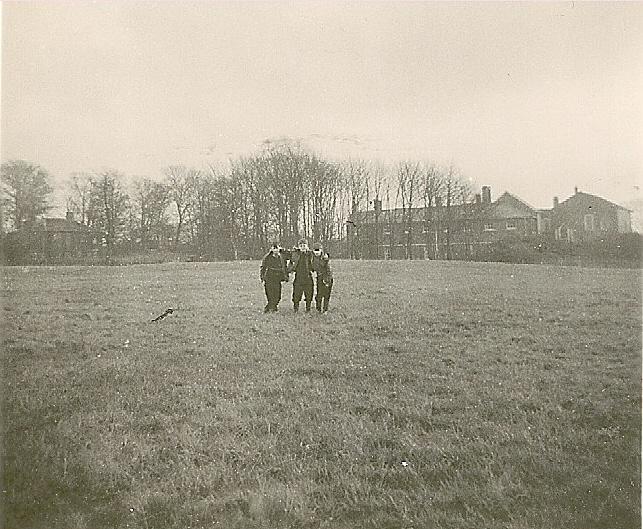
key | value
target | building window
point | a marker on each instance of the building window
(489, 226)
(387, 253)
(563, 234)
(387, 230)
(512, 224)
(426, 251)
(589, 222)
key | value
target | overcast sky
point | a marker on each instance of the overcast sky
(531, 98)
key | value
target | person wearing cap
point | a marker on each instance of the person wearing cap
(272, 273)
(301, 263)
(321, 265)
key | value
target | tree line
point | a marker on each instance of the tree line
(280, 193)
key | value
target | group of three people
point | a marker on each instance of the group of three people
(278, 264)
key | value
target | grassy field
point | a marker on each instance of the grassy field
(434, 394)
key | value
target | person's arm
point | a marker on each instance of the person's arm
(292, 262)
(284, 268)
(329, 272)
(262, 270)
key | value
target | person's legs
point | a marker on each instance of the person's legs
(273, 294)
(327, 292)
(308, 294)
(277, 296)
(297, 291)
(267, 290)
(319, 295)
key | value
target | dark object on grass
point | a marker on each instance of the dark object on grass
(168, 311)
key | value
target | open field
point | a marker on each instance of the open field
(434, 394)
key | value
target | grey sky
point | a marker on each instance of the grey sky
(530, 98)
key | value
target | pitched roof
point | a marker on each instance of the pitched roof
(509, 206)
(507, 193)
(581, 194)
(506, 206)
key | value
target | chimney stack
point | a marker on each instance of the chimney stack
(478, 199)
(576, 191)
(377, 205)
(555, 202)
(70, 216)
(486, 195)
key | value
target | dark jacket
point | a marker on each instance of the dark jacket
(273, 267)
(302, 264)
(323, 269)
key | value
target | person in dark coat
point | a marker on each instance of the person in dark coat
(272, 273)
(324, 283)
(301, 263)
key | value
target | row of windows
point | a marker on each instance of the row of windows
(589, 223)
(510, 224)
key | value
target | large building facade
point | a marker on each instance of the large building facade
(584, 217)
(466, 230)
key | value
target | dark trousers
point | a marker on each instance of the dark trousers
(273, 293)
(322, 297)
(302, 287)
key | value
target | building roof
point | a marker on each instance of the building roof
(507, 193)
(507, 206)
(417, 214)
(58, 225)
(579, 195)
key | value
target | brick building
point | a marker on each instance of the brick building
(584, 217)
(49, 240)
(465, 230)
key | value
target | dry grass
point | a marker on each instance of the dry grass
(447, 395)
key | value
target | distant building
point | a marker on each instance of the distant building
(462, 231)
(584, 217)
(439, 231)
(49, 241)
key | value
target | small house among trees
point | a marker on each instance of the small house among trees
(49, 240)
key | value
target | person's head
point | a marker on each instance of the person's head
(317, 249)
(302, 245)
(274, 249)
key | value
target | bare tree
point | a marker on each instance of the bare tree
(286, 175)
(432, 187)
(108, 205)
(323, 180)
(456, 193)
(79, 189)
(377, 187)
(151, 200)
(181, 182)
(356, 186)
(408, 182)
(391, 217)
(249, 175)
